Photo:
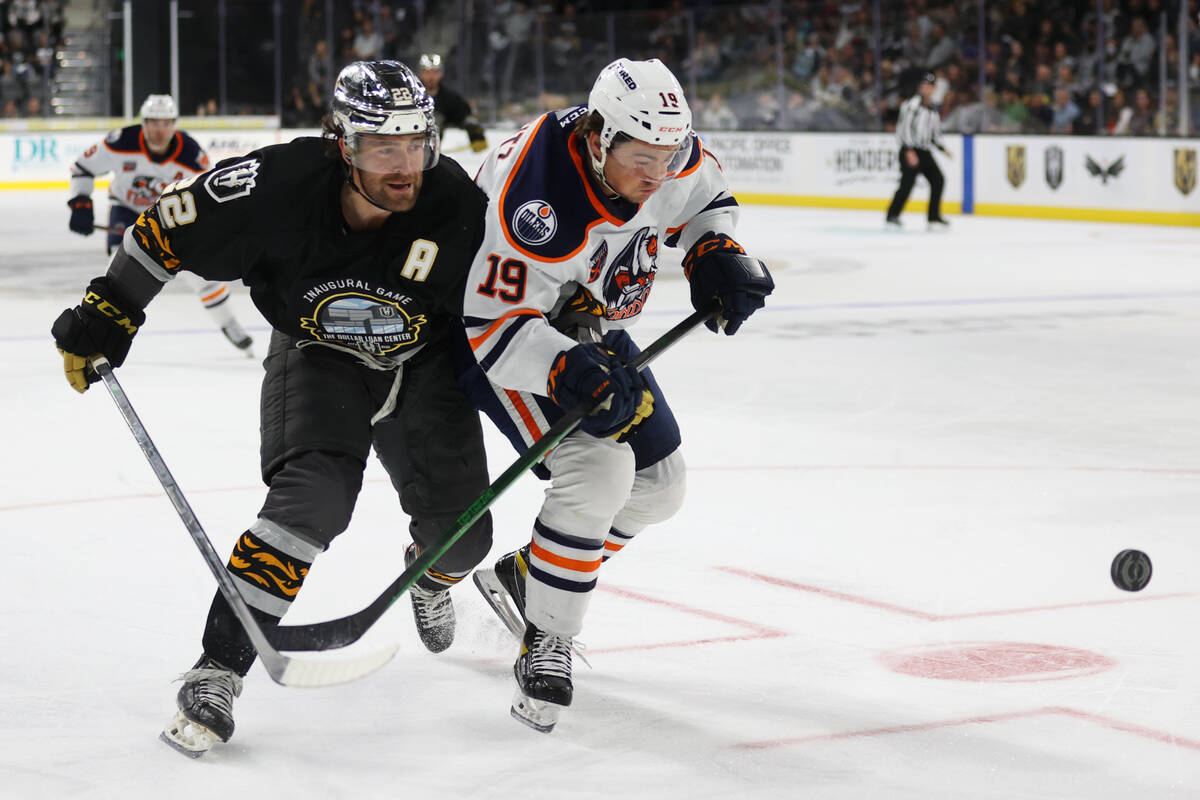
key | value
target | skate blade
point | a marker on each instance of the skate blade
(501, 602)
(537, 714)
(187, 737)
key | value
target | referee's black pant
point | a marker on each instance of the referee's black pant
(908, 175)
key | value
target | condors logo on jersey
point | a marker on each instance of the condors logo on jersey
(366, 322)
(629, 277)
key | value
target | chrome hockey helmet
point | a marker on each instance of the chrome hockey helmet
(159, 106)
(641, 100)
(382, 98)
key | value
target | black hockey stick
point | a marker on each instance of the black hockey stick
(347, 630)
(283, 669)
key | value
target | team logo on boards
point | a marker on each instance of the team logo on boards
(1185, 170)
(1104, 171)
(371, 323)
(534, 223)
(630, 275)
(1054, 166)
(1015, 154)
(232, 182)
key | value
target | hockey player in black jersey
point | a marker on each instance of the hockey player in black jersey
(356, 249)
(452, 108)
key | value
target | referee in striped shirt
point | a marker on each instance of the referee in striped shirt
(919, 128)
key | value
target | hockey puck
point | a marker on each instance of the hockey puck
(1131, 570)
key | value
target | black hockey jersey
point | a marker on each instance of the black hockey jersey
(273, 220)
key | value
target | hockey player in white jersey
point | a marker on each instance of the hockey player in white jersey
(581, 200)
(143, 159)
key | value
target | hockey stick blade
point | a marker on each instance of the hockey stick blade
(284, 670)
(346, 630)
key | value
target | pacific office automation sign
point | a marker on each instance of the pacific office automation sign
(1087, 172)
(822, 165)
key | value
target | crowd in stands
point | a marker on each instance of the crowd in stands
(818, 65)
(30, 32)
(787, 64)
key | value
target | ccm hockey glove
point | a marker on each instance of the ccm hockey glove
(719, 270)
(82, 218)
(587, 373)
(102, 324)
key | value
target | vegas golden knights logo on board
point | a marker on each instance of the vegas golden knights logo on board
(1185, 169)
(1016, 164)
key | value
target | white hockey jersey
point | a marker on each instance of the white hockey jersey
(138, 175)
(548, 233)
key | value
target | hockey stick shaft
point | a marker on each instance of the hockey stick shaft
(282, 669)
(347, 630)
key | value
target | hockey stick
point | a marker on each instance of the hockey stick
(104, 228)
(347, 630)
(283, 669)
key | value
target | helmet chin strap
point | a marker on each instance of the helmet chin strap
(348, 168)
(598, 170)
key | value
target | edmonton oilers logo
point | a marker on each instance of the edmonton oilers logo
(534, 223)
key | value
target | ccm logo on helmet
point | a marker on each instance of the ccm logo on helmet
(401, 96)
(625, 76)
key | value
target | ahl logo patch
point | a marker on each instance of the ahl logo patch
(232, 182)
(534, 223)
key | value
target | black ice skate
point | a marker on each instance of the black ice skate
(504, 589)
(543, 673)
(238, 337)
(432, 610)
(205, 714)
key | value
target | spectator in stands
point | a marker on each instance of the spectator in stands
(1041, 116)
(1043, 81)
(915, 51)
(368, 44)
(318, 72)
(1166, 121)
(1015, 110)
(1089, 116)
(1142, 121)
(10, 108)
(1136, 54)
(944, 47)
(1065, 112)
(717, 115)
(1119, 115)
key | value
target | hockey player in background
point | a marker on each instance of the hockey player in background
(581, 200)
(452, 108)
(143, 159)
(356, 248)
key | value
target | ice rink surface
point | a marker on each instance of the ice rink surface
(909, 475)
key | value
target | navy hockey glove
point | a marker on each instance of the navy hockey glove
(587, 373)
(82, 219)
(719, 270)
(102, 324)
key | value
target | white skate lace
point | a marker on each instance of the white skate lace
(550, 655)
(216, 687)
(434, 608)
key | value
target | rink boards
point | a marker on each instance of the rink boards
(1108, 179)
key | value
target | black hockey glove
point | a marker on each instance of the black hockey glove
(587, 373)
(102, 324)
(82, 219)
(719, 270)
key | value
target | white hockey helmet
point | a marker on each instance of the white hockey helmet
(382, 98)
(643, 100)
(430, 61)
(159, 106)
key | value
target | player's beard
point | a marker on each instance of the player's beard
(393, 191)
